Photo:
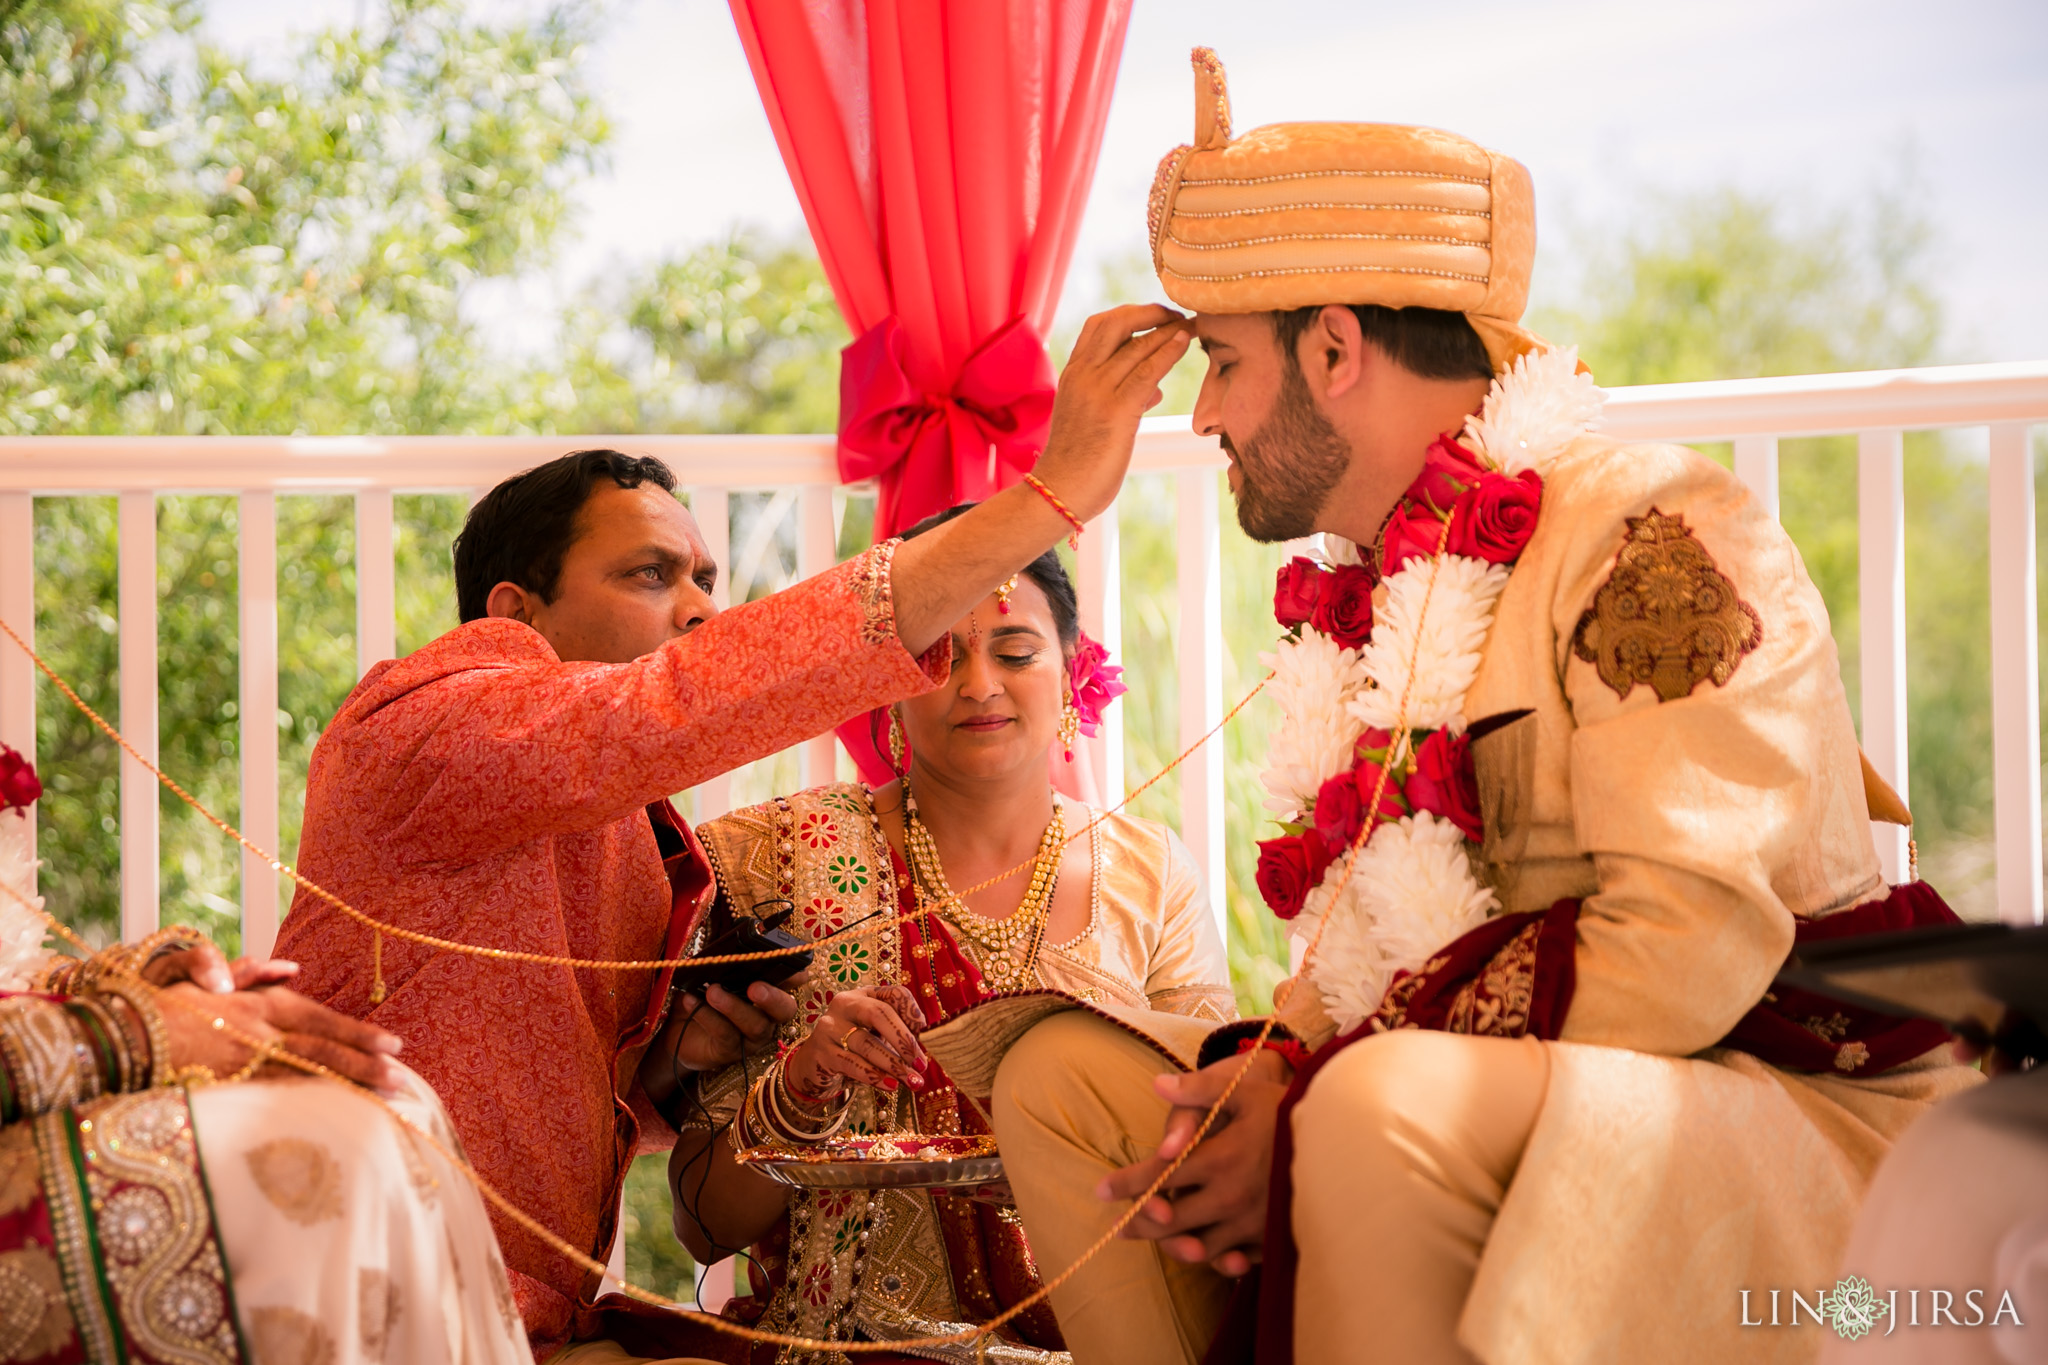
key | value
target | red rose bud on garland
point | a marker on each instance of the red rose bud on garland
(1413, 532)
(1299, 589)
(1365, 780)
(1443, 781)
(19, 786)
(1496, 517)
(1447, 471)
(1340, 810)
(1345, 611)
(1289, 868)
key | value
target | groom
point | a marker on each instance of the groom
(1580, 1130)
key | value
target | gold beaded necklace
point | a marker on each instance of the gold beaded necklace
(998, 940)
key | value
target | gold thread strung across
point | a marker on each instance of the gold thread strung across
(977, 1335)
(1329, 237)
(1339, 171)
(1328, 270)
(1333, 204)
(849, 934)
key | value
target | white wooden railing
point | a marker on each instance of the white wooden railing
(1879, 407)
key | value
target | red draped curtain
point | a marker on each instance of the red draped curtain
(942, 151)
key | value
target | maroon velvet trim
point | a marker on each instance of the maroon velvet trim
(1802, 1030)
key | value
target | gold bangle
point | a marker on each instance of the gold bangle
(140, 997)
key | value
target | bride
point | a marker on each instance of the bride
(1115, 913)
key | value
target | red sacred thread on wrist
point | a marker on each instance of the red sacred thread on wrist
(783, 1052)
(1038, 485)
(1297, 1056)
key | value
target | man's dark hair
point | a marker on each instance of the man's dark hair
(1430, 342)
(1046, 571)
(519, 531)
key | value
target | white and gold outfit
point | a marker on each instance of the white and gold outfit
(1666, 767)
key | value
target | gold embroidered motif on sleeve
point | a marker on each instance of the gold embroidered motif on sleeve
(874, 589)
(285, 1336)
(1495, 1004)
(299, 1177)
(1666, 615)
(39, 1048)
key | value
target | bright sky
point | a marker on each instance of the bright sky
(1608, 102)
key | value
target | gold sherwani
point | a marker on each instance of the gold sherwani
(1698, 815)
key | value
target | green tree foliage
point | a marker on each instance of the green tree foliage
(187, 246)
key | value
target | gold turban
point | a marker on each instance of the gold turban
(1299, 214)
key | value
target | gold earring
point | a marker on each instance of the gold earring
(1003, 595)
(1070, 728)
(899, 747)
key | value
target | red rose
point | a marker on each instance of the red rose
(19, 786)
(1365, 780)
(1289, 868)
(1447, 471)
(1413, 532)
(1340, 810)
(1298, 591)
(1373, 744)
(1345, 611)
(1495, 519)
(1444, 784)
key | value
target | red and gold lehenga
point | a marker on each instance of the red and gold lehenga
(893, 1264)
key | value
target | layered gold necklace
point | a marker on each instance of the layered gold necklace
(1005, 949)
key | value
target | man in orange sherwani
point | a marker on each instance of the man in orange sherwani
(506, 786)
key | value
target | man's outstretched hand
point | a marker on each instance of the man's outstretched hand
(1112, 377)
(1217, 1209)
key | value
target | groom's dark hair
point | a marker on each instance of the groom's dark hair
(1431, 342)
(519, 531)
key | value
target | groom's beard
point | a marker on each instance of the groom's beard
(1289, 466)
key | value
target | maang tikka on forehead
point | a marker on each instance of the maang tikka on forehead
(1003, 592)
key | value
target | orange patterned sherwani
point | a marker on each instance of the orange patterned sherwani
(483, 791)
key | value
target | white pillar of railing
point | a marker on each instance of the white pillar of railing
(712, 508)
(257, 576)
(18, 609)
(136, 559)
(1756, 464)
(376, 580)
(1199, 549)
(2015, 677)
(1881, 517)
(816, 549)
(1100, 562)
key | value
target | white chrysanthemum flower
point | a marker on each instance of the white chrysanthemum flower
(1540, 405)
(23, 932)
(1334, 549)
(1411, 892)
(1446, 659)
(1314, 680)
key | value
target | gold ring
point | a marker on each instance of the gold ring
(843, 1047)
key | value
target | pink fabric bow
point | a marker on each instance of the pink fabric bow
(931, 450)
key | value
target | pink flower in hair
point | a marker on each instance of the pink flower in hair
(1096, 682)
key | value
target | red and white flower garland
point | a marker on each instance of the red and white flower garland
(1372, 678)
(23, 933)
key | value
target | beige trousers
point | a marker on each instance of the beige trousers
(1404, 1147)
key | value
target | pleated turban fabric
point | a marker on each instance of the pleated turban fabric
(1294, 215)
